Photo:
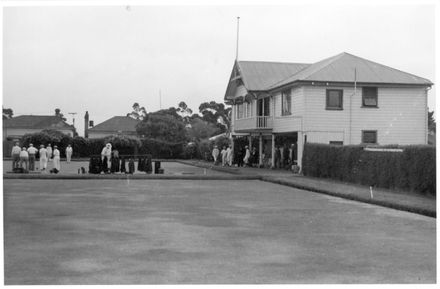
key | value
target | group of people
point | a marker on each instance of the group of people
(284, 156)
(226, 155)
(25, 158)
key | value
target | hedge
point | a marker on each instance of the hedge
(413, 169)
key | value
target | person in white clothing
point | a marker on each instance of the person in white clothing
(32, 152)
(43, 158)
(223, 154)
(56, 158)
(247, 156)
(69, 152)
(15, 154)
(215, 153)
(24, 158)
(49, 152)
(229, 154)
(107, 152)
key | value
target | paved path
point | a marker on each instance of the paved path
(190, 232)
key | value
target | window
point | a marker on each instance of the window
(239, 111)
(334, 99)
(248, 109)
(286, 103)
(369, 96)
(339, 143)
(369, 136)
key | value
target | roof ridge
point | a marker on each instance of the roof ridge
(332, 58)
(389, 67)
(273, 62)
(330, 61)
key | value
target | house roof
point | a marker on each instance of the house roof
(115, 124)
(258, 75)
(341, 68)
(37, 122)
(265, 76)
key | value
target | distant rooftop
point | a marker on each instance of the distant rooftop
(116, 123)
(36, 122)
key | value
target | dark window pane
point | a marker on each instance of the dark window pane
(369, 96)
(334, 99)
(369, 136)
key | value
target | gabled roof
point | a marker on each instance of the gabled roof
(265, 76)
(341, 68)
(258, 75)
(37, 122)
(116, 124)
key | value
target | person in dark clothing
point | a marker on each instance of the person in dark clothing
(277, 157)
(240, 156)
(115, 162)
(130, 166)
(105, 165)
(254, 157)
(123, 169)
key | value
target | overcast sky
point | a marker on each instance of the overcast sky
(102, 59)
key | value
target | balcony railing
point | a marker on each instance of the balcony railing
(257, 122)
(264, 122)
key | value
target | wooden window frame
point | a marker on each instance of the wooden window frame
(341, 96)
(284, 94)
(369, 131)
(364, 96)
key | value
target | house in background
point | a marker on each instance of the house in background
(117, 125)
(15, 127)
(343, 99)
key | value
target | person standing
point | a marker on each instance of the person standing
(49, 152)
(223, 154)
(229, 155)
(277, 157)
(247, 155)
(15, 154)
(56, 159)
(32, 151)
(24, 158)
(43, 158)
(69, 152)
(106, 154)
(215, 153)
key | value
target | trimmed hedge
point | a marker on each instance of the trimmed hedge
(413, 169)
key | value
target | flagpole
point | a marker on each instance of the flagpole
(238, 34)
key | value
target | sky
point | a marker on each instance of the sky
(102, 59)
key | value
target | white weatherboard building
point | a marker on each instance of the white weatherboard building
(343, 99)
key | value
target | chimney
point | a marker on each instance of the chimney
(86, 125)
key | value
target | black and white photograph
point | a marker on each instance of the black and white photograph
(219, 143)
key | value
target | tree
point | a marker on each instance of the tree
(216, 113)
(162, 126)
(185, 112)
(7, 113)
(431, 121)
(201, 129)
(138, 112)
(59, 114)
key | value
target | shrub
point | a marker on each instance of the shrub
(46, 137)
(413, 169)
(161, 149)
